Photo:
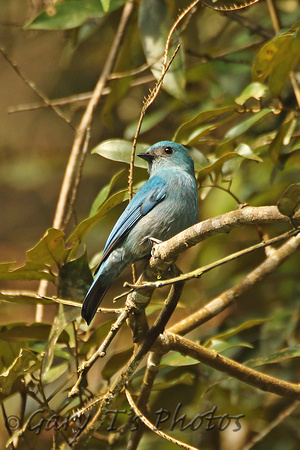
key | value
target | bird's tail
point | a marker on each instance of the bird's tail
(94, 297)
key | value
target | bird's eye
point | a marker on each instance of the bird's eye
(169, 151)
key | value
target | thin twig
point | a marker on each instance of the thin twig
(151, 371)
(150, 425)
(34, 88)
(199, 272)
(76, 98)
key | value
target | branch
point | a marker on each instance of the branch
(234, 369)
(169, 250)
(199, 272)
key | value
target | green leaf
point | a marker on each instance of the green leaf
(230, 168)
(86, 225)
(49, 250)
(115, 363)
(282, 355)
(25, 363)
(34, 332)
(29, 271)
(174, 359)
(270, 55)
(235, 330)
(74, 279)
(191, 130)
(277, 59)
(290, 200)
(282, 138)
(220, 346)
(253, 90)
(104, 193)
(65, 315)
(71, 14)
(241, 128)
(154, 25)
(216, 166)
(280, 74)
(120, 150)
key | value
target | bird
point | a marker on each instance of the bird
(165, 204)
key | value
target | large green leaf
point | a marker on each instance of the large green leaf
(70, 14)
(276, 59)
(203, 123)
(49, 250)
(74, 279)
(154, 25)
(120, 150)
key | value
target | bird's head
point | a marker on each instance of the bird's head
(167, 154)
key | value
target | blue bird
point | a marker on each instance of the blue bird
(165, 205)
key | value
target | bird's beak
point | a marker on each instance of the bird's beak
(146, 156)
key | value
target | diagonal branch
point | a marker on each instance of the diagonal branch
(231, 367)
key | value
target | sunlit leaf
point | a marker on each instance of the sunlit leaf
(104, 193)
(230, 168)
(26, 362)
(290, 200)
(220, 346)
(120, 150)
(192, 129)
(155, 24)
(70, 14)
(85, 226)
(49, 250)
(253, 90)
(174, 359)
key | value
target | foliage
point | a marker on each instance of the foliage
(231, 96)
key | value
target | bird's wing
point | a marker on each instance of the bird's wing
(146, 198)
